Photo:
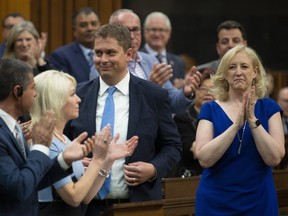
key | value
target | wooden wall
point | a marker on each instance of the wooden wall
(54, 16)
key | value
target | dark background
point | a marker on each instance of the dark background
(194, 24)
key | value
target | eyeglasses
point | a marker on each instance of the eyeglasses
(154, 30)
(8, 26)
(203, 89)
(135, 29)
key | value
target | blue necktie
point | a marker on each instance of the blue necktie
(93, 72)
(20, 139)
(108, 118)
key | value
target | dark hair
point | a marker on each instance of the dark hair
(231, 24)
(13, 14)
(84, 10)
(117, 32)
(13, 72)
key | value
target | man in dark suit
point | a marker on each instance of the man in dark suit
(77, 58)
(157, 32)
(23, 172)
(141, 108)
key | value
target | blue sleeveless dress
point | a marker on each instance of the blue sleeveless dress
(237, 184)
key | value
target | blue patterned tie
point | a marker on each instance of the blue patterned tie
(93, 72)
(20, 139)
(108, 118)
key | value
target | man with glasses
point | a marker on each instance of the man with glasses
(157, 32)
(8, 22)
(77, 58)
(147, 67)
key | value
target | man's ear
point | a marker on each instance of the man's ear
(18, 91)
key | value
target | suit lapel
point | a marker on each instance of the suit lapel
(135, 94)
(13, 142)
(90, 107)
(81, 60)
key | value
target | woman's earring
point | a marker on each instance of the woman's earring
(253, 81)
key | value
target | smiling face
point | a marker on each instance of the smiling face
(25, 45)
(240, 73)
(111, 60)
(157, 33)
(85, 26)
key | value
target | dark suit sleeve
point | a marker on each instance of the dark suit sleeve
(19, 179)
(168, 143)
(58, 61)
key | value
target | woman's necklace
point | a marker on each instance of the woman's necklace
(241, 140)
(61, 138)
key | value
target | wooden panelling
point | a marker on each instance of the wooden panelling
(8, 6)
(54, 16)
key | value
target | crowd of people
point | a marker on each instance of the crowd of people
(102, 120)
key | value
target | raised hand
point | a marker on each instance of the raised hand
(192, 81)
(102, 143)
(77, 150)
(117, 151)
(42, 131)
(160, 73)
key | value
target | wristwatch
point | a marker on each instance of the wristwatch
(257, 123)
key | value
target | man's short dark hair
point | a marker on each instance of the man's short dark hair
(13, 72)
(13, 14)
(231, 24)
(84, 10)
(117, 32)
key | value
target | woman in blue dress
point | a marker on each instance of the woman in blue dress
(239, 139)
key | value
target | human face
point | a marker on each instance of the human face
(132, 22)
(203, 93)
(71, 108)
(111, 60)
(85, 26)
(8, 25)
(28, 96)
(283, 101)
(157, 34)
(228, 39)
(240, 72)
(25, 46)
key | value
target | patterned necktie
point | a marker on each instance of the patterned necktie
(20, 139)
(160, 57)
(93, 72)
(108, 118)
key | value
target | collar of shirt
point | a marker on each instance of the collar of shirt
(133, 63)
(122, 86)
(9, 120)
(153, 52)
(86, 51)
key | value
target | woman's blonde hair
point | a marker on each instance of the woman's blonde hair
(52, 89)
(15, 32)
(220, 84)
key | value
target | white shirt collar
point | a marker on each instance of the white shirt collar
(122, 86)
(153, 52)
(85, 50)
(8, 119)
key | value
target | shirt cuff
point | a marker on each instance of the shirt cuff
(62, 162)
(41, 148)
